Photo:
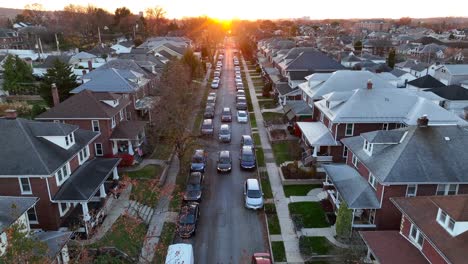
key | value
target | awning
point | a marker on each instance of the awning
(317, 134)
(86, 180)
(128, 130)
(298, 107)
(146, 103)
(354, 189)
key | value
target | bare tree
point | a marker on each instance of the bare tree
(156, 21)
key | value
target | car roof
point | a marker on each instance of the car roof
(247, 149)
(207, 121)
(226, 109)
(224, 126)
(242, 112)
(246, 136)
(224, 153)
(199, 152)
(188, 207)
(253, 184)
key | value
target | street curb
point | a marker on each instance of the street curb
(163, 177)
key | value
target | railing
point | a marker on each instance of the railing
(324, 158)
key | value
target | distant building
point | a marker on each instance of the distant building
(373, 25)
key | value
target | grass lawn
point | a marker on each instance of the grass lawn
(279, 255)
(267, 104)
(315, 245)
(266, 187)
(253, 121)
(162, 151)
(268, 116)
(260, 157)
(285, 151)
(167, 235)
(299, 190)
(148, 172)
(256, 139)
(310, 214)
(145, 192)
(176, 200)
(273, 224)
(126, 234)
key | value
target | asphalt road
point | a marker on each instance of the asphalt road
(227, 232)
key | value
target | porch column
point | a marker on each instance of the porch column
(315, 151)
(115, 149)
(115, 174)
(352, 221)
(102, 191)
(130, 148)
(86, 216)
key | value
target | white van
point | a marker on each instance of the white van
(180, 254)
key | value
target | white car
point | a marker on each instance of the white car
(242, 116)
(240, 92)
(212, 95)
(253, 194)
(215, 84)
(237, 68)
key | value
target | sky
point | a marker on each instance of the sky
(273, 9)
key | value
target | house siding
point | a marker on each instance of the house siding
(388, 216)
(431, 253)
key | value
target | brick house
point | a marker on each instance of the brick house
(433, 229)
(343, 114)
(20, 212)
(414, 161)
(56, 163)
(9, 39)
(106, 113)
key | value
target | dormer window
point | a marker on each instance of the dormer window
(446, 221)
(368, 147)
(121, 115)
(83, 155)
(113, 122)
(327, 104)
(447, 189)
(69, 139)
(372, 181)
(62, 174)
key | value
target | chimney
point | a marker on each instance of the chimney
(90, 65)
(55, 95)
(83, 72)
(369, 84)
(423, 121)
(10, 114)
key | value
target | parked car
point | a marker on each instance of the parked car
(221, 56)
(217, 74)
(237, 72)
(239, 86)
(207, 127)
(240, 92)
(226, 115)
(247, 141)
(209, 112)
(241, 103)
(193, 190)
(253, 194)
(238, 79)
(247, 158)
(211, 101)
(215, 84)
(180, 253)
(261, 258)
(224, 161)
(237, 68)
(218, 68)
(188, 218)
(225, 133)
(212, 94)
(199, 159)
(242, 116)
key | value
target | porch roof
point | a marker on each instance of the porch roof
(298, 108)
(86, 180)
(55, 241)
(128, 130)
(317, 134)
(391, 247)
(354, 189)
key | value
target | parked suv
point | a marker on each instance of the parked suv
(246, 140)
(224, 161)
(199, 159)
(226, 115)
(241, 103)
(193, 191)
(188, 218)
(253, 194)
(225, 133)
(247, 158)
(209, 112)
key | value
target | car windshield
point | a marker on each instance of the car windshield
(193, 187)
(254, 194)
(197, 159)
(187, 219)
(224, 132)
(242, 114)
(241, 100)
(247, 157)
(248, 142)
(226, 113)
(207, 126)
(224, 160)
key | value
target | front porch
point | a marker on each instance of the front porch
(317, 142)
(129, 138)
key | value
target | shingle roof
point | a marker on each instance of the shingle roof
(86, 104)
(165, 54)
(110, 80)
(455, 205)
(55, 241)
(422, 211)
(420, 67)
(384, 136)
(128, 129)
(434, 154)
(124, 64)
(451, 92)
(283, 88)
(315, 61)
(457, 69)
(398, 72)
(179, 49)
(12, 207)
(298, 107)
(24, 152)
(50, 60)
(100, 50)
(426, 81)
(317, 134)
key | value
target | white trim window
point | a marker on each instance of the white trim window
(98, 149)
(385, 126)
(113, 122)
(32, 216)
(416, 237)
(373, 181)
(330, 125)
(411, 190)
(121, 115)
(349, 129)
(62, 174)
(368, 147)
(355, 161)
(95, 125)
(321, 117)
(63, 208)
(25, 185)
(83, 155)
(345, 152)
(447, 189)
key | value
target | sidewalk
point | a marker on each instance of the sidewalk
(290, 239)
(145, 163)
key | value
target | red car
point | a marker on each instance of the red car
(261, 258)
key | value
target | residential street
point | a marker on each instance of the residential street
(227, 232)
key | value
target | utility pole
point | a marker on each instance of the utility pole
(57, 42)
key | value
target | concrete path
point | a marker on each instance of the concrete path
(278, 109)
(314, 195)
(328, 232)
(160, 214)
(290, 239)
(140, 210)
(145, 163)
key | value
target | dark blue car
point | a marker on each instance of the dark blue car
(247, 158)
(198, 161)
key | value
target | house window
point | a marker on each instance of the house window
(72, 137)
(83, 155)
(372, 181)
(345, 152)
(451, 224)
(98, 148)
(349, 129)
(321, 117)
(411, 190)
(67, 141)
(113, 121)
(416, 236)
(447, 189)
(385, 126)
(445, 221)
(330, 125)
(327, 103)
(32, 216)
(355, 161)
(95, 124)
(62, 174)
(25, 185)
(368, 147)
(63, 208)
(121, 114)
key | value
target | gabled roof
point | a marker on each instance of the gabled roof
(86, 105)
(457, 69)
(427, 81)
(55, 241)
(50, 60)
(142, 59)
(124, 64)
(110, 80)
(422, 211)
(398, 72)
(127, 44)
(420, 67)
(317, 134)
(83, 56)
(12, 207)
(100, 50)
(315, 61)
(384, 136)
(165, 54)
(451, 92)
(179, 49)
(298, 107)
(128, 130)
(433, 154)
(24, 152)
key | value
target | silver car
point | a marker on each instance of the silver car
(253, 194)
(225, 133)
(207, 127)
